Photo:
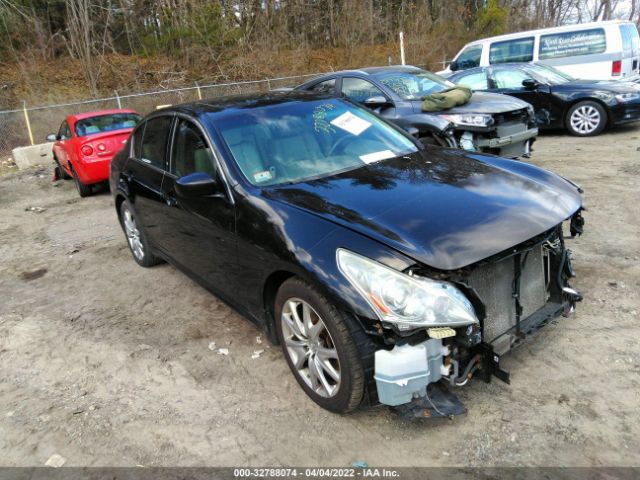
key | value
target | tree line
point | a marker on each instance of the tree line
(220, 33)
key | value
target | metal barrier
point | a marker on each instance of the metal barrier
(31, 125)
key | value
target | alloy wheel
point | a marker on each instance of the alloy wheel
(310, 347)
(585, 119)
(133, 234)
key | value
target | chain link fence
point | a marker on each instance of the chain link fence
(31, 125)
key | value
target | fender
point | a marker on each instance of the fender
(430, 124)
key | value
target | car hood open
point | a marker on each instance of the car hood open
(445, 208)
(481, 102)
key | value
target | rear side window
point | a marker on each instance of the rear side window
(137, 141)
(570, 44)
(470, 57)
(475, 81)
(154, 141)
(325, 87)
(518, 50)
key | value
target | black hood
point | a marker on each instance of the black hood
(444, 208)
(482, 102)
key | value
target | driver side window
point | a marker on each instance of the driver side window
(191, 153)
(64, 133)
(359, 90)
(511, 79)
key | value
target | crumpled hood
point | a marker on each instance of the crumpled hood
(481, 102)
(445, 208)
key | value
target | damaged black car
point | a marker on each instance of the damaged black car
(388, 271)
(486, 122)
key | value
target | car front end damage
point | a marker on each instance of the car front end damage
(512, 295)
(508, 134)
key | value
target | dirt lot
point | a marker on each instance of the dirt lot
(106, 363)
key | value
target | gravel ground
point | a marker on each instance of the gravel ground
(105, 363)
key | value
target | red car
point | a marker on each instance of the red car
(86, 142)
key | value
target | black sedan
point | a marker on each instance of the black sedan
(384, 268)
(487, 123)
(584, 107)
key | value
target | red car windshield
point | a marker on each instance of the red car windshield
(106, 123)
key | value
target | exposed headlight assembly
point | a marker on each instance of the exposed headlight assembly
(405, 300)
(626, 97)
(469, 119)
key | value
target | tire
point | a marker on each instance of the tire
(62, 175)
(136, 239)
(335, 338)
(83, 190)
(586, 119)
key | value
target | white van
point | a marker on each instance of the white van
(599, 51)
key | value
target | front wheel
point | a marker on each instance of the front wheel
(319, 347)
(586, 119)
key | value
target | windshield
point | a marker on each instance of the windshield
(414, 85)
(106, 123)
(549, 74)
(294, 141)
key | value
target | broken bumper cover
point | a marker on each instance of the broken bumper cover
(507, 140)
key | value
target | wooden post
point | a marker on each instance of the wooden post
(118, 99)
(199, 92)
(402, 48)
(26, 119)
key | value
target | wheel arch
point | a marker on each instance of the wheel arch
(575, 101)
(269, 291)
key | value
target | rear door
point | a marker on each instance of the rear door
(199, 232)
(144, 173)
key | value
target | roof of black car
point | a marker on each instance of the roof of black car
(219, 104)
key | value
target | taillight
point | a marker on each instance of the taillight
(616, 68)
(101, 147)
(86, 150)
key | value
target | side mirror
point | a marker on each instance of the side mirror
(51, 137)
(375, 101)
(196, 185)
(530, 84)
(453, 66)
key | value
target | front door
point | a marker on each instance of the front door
(199, 232)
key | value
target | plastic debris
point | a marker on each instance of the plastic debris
(256, 354)
(212, 346)
(35, 209)
(359, 464)
(223, 351)
(56, 461)
(258, 339)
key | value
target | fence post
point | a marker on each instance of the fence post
(199, 92)
(26, 119)
(118, 99)
(268, 85)
(402, 48)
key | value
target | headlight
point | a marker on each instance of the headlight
(470, 119)
(626, 97)
(405, 300)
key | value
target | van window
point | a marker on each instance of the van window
(626, 38)
(470, 57)
(569, 44)
(518, 50)
(635, 39)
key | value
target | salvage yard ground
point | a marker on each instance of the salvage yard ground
(106, 363)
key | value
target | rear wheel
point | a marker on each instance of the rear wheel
(319, 347)
(136, 239)
(586, 119)
(83, 190)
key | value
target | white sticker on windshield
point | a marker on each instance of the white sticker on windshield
(351, 123)
(377, 156)
(264, 176)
